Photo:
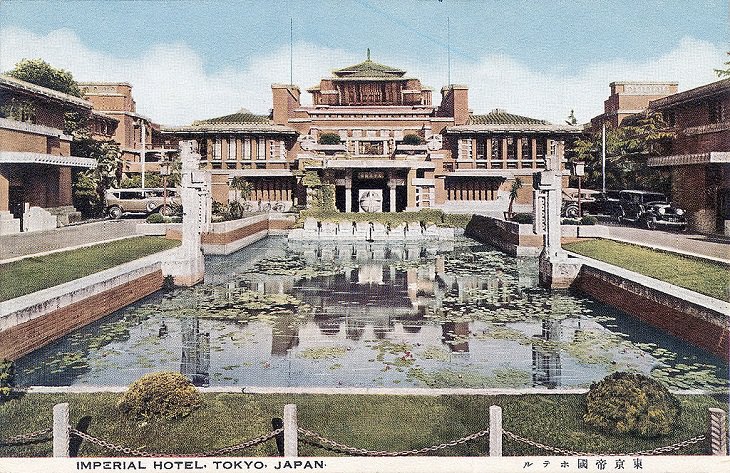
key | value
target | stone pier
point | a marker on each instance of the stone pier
(188, 268)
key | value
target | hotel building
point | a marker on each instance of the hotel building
(460, 162)
(36, 164)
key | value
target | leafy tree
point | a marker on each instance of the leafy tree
(39, 72)
(19, 110)
(329, 139)
(627, 149)
(243, 188)
(724, 72)
(412, 139)
(91, 185)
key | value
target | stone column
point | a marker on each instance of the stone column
(188, 267)
(348, 192)
(556, 271)
(411, 190)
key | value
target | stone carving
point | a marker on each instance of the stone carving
(307, 142)
(371, 200)
(434, 142)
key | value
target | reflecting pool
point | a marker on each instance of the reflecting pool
(434, 314)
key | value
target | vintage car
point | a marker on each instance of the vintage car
(138, 200)
(650, 209)
(570, 201)
(605, 205)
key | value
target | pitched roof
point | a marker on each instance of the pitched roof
(501, 117)
(499, 120)
(242, 121)
(369, 69)
(242, 116)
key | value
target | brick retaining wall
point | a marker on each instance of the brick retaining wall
(700, 326)
(24, 338)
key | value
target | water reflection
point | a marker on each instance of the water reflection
(299, 314)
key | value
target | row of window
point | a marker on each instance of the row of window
(503, 148)
(251, 149)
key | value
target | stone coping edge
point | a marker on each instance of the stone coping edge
(44, 295)
(341, 391)
(701, 300)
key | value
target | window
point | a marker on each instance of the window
(231, 148)
(247, 148)
(217, 149)
(496, 145)
(511, 152)
(480, 149)
(261, 149)
(717, 112)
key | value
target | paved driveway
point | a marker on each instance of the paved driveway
(22, 244)
(715, 247)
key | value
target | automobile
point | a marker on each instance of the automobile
(570, 201)
(651, 210)
(604, 204)
(139, 200)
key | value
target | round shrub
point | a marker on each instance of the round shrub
(164, 395)
(412, 139)
(588, 220)
(522, 218)
(631, 403)
(155, 218)
(329, 139)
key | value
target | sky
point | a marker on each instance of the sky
(191, 60)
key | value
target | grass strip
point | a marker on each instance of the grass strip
(706, 277)
(36, 273)
(375, 422)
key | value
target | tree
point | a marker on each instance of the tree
(412, 139)
(243, 188)
(329, 139)
(513, 191)
(627, 149)
(39, 72)
(91, 185)
(724, 72)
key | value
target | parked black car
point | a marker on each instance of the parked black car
(650, 210)
(604, 205)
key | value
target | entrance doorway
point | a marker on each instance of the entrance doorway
(16, 202)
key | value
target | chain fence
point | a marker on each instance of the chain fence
(561, 451)
(142, 453)
(26, 438)
(331, 445)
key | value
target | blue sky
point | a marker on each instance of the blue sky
(535, 57)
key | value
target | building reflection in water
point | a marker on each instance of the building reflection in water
(546, 367)
(195, 359)
(380, 286)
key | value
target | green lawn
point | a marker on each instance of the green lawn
(33, 274)
(375, 422)
(697, 275)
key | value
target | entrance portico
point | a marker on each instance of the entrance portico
(361, 187)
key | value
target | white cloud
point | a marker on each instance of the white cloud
(171, 85)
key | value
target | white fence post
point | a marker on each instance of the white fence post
(495, 431)
(60, 430)
(291, 442)
(717, 431)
